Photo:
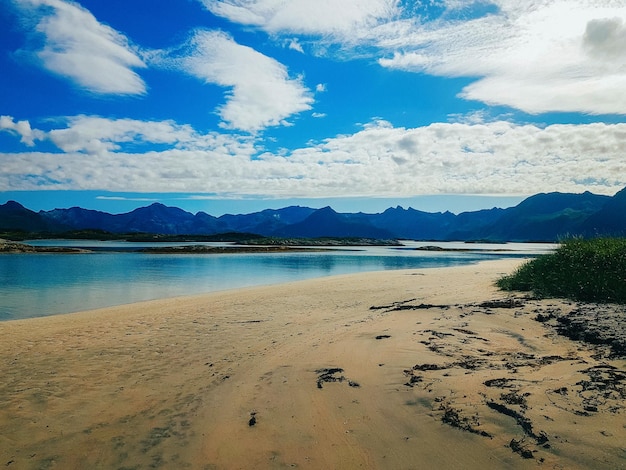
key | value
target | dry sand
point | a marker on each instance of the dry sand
(399, 370)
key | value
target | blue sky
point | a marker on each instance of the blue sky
(239, 105)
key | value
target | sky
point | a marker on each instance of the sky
(233, 106)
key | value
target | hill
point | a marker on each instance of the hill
(542, 217)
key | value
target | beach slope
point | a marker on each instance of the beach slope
(431, 368)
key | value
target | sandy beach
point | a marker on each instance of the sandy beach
(413, 369)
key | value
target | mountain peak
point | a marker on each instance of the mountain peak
(542, 217)
(12, 205)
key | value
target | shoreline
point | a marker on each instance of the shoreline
(392, 369)
(155, 291)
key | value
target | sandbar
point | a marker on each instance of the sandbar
(421, 368)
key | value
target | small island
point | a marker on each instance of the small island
(231, 249)
(7, 246)
(236, 242)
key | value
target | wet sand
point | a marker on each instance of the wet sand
(430, 368)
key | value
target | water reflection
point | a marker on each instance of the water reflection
(46, 284)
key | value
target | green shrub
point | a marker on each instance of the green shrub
(591, 270)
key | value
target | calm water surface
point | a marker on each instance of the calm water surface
(33, 285)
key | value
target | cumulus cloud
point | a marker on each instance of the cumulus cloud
(76, 46)
(380, 160)
(21, 128)
(606, 37)
(100, 136)
(96, 136)
(261, 92)
(493, 158)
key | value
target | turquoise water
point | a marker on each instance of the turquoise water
(33, 285)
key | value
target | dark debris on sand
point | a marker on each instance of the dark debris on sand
(329, 375)
(519, 447)
(502, 303)
(592, 323)
(252, 421)
(522, 421)
(452, 417)
(406, 305)
(596, 324)
(602, 327)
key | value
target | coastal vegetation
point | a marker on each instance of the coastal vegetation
(589, 270)
(103, 235)
(8, 246)
(322, 241)
(166, 244)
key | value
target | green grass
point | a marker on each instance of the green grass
(592, 270)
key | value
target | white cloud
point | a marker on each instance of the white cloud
(99, 136)
(77, 46)
(494, 158)
(538, 57)
(311, 17)
(294, 44)
(473, 117)
(550, 55)
(21, 128)
(261, 92)
(500, 158)
(320, 88)
(121, 198)
(606, 37)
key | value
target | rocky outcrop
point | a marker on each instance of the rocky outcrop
(7, 246)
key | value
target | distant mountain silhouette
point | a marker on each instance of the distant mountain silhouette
(326, 222)
(610, 219)
(156, 218)
(78, 218)
(542, 217)
(265, 222)
(413, 224)
(547, 216)
(14, 216)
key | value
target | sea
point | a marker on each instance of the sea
(41, 284)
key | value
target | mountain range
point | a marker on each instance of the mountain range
(542, 217)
